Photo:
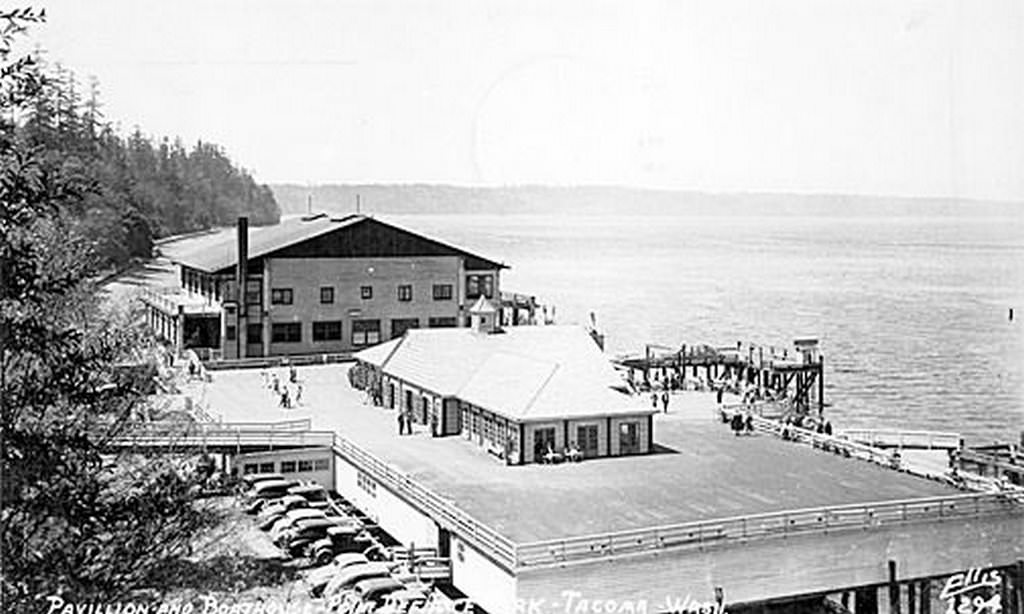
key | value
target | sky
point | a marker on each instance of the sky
(885, 97)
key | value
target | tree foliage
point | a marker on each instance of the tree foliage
(133, 189)
(80, 516)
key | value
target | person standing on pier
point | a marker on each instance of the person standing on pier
(654, 399)
(664, 401)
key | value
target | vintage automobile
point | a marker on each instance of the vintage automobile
(304, 532)
(290, 518)
(314, 494)
(340, 539)
(251, 479)
(277, 508)
(346, 578)
(318, 578)
(262, 492)
(367, 595)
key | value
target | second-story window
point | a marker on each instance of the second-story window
(405, 293)
(366, 292)
(479, 285)
(281, 296)
(442, 292)
(326, 295)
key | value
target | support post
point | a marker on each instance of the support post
(911, 598)
(926, 596)
(821, 385)
(894, 590)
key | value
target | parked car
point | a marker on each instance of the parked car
(314, 493)
(304, 532)
(345, 538)
(317, 579)
(346, 578)
(367, 595)
(277, 508)
(290, 518)
(266, 491)
(251, 479)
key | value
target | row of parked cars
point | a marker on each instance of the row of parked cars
(357, 571)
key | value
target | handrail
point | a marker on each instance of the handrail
(759, 526)
(489, 541)
(905, 438)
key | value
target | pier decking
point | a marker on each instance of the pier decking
(700, 470)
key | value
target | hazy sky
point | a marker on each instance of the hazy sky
(899, 97)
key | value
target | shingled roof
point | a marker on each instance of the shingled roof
(281, 238)
(525, 373)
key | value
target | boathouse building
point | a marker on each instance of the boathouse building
(322, 285)
(525, 394)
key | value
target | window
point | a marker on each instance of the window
(287, 466)
(447, 322)
(231, 333)
(250, 468)
(267, 467)
(405, 293)
(442, 292)
(327, 331)
(253, 292)
(366, 292)
(305, 465)
(366, 483)
(281, 296)
(326, 295)
(365, 332)
(254, 333)
(400, 325)
(321, 464)
(629, 438)
(479, 285)
(286, 332)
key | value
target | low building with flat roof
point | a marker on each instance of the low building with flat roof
(526, 394)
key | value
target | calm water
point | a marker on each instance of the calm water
(912, 312)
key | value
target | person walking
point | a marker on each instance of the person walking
(654, 400)
(664, 401)
(401, 423)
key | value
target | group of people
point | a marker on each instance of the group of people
(289, 392)
(664, 400)
(739, 423)
(570, 454)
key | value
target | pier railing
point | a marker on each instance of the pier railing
(708, 533)
(478, 534)
(921, 440)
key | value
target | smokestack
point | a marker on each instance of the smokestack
(241, 274)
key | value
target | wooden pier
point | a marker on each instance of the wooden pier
(1003, 460)
(787, 375)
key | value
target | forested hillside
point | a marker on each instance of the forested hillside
(134, 188)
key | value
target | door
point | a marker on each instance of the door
(629, 438)
(586, 440)
(543, 440)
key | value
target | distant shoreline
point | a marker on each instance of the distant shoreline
(440, 199)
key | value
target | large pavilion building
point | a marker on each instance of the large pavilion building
(520, 393)
(323, 285)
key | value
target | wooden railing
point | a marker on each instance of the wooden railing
(494, 545)
(721, 531)
(261, 362)
(924, 440)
